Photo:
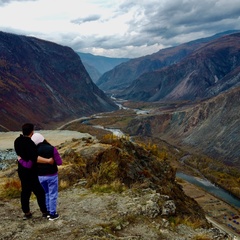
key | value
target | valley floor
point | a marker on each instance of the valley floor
(216, 210)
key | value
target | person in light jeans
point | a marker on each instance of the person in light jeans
(48, 173)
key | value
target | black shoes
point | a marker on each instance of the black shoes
(50, 217)
(53, 217)
(46, 215)
(27, 216)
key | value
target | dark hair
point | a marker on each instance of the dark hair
(27, 128)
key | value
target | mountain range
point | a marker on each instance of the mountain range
(193, 70)
(207, 71)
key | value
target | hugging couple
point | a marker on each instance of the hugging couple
(38, 172)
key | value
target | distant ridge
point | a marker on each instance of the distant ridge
(97, 65)
(101, 63)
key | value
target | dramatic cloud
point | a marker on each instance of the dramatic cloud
(86, 19)
(119, 28)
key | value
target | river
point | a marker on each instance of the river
(211, 188)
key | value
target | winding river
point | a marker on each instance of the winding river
(211, 188)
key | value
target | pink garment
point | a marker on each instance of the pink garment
(56, 156)
(25, 164)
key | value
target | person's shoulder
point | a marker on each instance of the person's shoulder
(18, 138)
(24, 140)
(44, 145)
(49, 146)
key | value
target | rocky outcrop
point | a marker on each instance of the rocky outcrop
(86, 215)
(125, 164)
(44, 83)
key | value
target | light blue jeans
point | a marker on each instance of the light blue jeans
(50, 185)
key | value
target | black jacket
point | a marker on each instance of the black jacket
(27, 150)
(45, 150)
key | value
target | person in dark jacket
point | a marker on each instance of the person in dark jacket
(27, 171)
(47, 173)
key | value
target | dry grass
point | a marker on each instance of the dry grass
(115, 186)
(188, 221)
(201, 237)
(11, 188)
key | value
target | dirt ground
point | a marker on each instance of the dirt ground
(83, 215)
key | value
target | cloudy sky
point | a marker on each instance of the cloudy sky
(119, 28)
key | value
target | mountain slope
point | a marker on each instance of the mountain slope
(92, 71)
(44, 83)
(209, 127)
(207, 71)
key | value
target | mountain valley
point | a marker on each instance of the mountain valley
(179, 103)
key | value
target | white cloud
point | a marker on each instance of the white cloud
(119, 28)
